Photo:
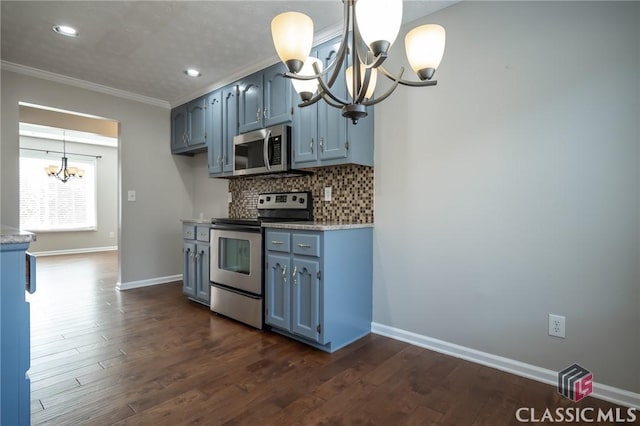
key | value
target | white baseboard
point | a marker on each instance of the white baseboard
(146, 283)
(73, 251)
(600, 391)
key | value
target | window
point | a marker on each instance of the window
(47, 204)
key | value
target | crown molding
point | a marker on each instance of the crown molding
(322, 36)
(83, 84)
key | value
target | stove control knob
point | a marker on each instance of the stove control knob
(261, 200)
(301, 200)
(294, 198)
(268, 198)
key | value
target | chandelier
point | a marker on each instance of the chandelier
(370, 28)
(64, 173)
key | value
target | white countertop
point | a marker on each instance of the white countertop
(197, 221)
(10, 235)
(316, 226)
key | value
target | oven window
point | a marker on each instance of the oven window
(234, 255)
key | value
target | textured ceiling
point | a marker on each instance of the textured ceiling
(144, 47)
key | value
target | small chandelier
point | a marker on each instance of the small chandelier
(64, 173)
(371, 23)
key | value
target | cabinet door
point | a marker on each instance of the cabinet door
(332, 126)
(230, 123)
(277, 291)
(202, 273)
(215, 128)
(277, 96)
(189, 270)
(250, 103)
(179, 128)
(197, 130)
(305, 135)
(306, 298)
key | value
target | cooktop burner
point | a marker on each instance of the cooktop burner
(276, 207)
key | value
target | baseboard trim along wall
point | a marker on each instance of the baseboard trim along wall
(600, 391)
(74, 251)
(146, 283)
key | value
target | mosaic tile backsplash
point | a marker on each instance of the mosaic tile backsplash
(351, 193)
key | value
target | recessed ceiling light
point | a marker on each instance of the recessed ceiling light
(65, 30)
(192, 73)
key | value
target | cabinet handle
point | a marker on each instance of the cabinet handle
(295, 271)
(276, 242)
(311, 145)
(322, 144)
(284, 274)
(304, 245)
(264, 113)
(219, 159)
(258, 115)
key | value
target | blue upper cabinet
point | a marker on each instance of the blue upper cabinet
(189, 127)
(230, 125)
(322, 136)
(264, 99)
(250, 103)
(215, 130)
(179, 128)
(222, 110)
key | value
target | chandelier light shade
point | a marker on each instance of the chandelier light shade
(372, 80)
(425, 48)
(371, 23)
(292, 34)
(379, 23)
(307, 88)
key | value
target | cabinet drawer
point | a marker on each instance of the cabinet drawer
(308, 245)
(202, 233)
(189, 232)
(278, 241)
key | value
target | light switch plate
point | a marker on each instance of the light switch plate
(229, 197)
(131, 195)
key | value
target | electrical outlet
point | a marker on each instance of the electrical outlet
(327, 193)
(229, 197)
(131, 195)
(556, 326)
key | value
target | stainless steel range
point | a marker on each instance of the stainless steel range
(237, 255)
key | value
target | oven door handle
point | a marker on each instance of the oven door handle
(265, 150)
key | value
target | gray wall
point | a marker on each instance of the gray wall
(209, 195)
(107, 201)
(511, 190)
(150, 235)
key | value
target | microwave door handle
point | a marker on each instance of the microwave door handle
(266, 150)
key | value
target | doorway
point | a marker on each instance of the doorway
(74, 210)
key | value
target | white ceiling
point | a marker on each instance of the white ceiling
(144, 47)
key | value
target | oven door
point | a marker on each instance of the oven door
(236, 259)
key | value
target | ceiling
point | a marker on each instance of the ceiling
(143, 48)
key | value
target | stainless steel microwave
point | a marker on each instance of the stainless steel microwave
(262, 151)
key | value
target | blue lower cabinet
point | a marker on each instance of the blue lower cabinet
(15, 397)
(195, 263)
(318, 285)
(278, 309)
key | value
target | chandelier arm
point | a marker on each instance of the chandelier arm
(326, 91)
(365, 85)
(344, 45)
(330, 102)
(384, 96)
(406, 82)
(311, 101)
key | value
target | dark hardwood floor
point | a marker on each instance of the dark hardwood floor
(150, 357)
